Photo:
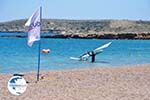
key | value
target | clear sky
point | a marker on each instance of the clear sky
(76, 9)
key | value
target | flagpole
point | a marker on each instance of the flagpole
(39, 60)
(39, 54)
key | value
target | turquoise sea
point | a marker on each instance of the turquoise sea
(16, 56)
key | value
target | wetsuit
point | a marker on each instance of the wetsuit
(93, 57)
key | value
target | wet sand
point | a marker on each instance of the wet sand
(127, 83)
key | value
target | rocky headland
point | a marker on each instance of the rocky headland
(101, 29)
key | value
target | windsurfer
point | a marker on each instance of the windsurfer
(85, 56)
(92, 54)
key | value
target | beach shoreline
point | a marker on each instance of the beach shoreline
(127, 83)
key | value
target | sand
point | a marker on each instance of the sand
(127, 83)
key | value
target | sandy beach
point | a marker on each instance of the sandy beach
(127, 83)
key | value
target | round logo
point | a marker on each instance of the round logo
(17, 85)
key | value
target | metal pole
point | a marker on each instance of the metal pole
(39, 55)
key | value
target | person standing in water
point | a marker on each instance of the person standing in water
(92, 54)
(93, 57)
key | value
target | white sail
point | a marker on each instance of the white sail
(99, 49)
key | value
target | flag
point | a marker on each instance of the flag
(34, 24)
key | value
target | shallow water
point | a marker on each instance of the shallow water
(16, 56)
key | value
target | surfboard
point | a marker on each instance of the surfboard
(78, 59)
(75, 58)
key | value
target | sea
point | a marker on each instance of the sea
(17, 57)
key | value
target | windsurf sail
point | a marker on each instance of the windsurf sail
(96, 51)
(100, 49)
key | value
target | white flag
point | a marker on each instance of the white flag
(34, 25)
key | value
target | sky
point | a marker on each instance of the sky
(76, 9)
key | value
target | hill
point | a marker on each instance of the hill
(85, 28)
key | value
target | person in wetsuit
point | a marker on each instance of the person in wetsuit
(90, 53)
(92, 57)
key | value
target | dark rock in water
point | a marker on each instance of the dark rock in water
(108, 36)
(127, 36)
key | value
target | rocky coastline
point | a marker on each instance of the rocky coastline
(130, 36)
(143, 36)
(84, 29)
